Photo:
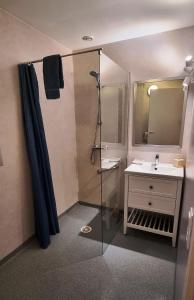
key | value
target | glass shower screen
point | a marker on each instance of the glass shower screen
(114, 116)
(88, 137)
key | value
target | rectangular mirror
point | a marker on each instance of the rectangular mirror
(159, 110)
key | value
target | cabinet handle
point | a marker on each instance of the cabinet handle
(150, 203)
(151, 187)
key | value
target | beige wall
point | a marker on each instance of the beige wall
(151, 57)
(112, 73)
(20, 42)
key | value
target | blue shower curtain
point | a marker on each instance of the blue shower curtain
(46, 221)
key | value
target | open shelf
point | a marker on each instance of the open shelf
(151, 222)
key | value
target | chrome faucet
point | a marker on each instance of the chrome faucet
(156, 159)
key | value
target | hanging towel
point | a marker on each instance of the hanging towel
(53, 76)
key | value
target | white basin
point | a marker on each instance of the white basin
(161, 169)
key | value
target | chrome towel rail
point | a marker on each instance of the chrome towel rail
(100, 171)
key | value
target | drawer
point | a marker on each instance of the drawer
(151, 202)
(154, 186)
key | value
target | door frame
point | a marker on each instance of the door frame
(188, 291)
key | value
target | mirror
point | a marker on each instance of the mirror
(158, 112)
(112, 113)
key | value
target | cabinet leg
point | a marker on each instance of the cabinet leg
(125, 206)
(124, 229)
(173, 242)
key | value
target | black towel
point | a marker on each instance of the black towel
(53, 76)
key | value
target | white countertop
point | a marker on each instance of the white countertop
(161, 169)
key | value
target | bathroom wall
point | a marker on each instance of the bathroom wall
(152, 57)
(112, 74)
(20, 42)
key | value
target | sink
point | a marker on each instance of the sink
(161, 169)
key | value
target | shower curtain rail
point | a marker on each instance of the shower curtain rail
(66, 55)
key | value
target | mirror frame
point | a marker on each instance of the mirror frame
(134, 85)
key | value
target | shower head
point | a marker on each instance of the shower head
(95, 74)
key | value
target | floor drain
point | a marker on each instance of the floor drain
(86, 229)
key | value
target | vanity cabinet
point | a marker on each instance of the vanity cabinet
(152, 203)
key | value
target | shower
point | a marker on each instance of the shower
(95, 146)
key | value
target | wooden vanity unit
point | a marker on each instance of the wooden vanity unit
(152, 199)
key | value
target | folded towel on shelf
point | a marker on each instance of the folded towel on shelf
(53, 76)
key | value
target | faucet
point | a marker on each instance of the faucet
(156, 159)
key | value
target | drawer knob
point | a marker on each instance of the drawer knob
(151, 187)
(149, 203)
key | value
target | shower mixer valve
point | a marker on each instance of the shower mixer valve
(97, 147)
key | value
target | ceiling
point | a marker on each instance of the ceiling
(154, 56)
(107, 20)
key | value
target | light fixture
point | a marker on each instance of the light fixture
(188, 60)
(189, 64)
(87, 38)
(152, 88)
(189, 70)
